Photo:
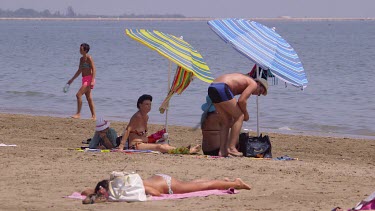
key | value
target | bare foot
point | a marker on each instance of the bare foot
(223, 153)
(241, 184)
(196, 149)
(76, 116)
(235, 153)
(93, 117)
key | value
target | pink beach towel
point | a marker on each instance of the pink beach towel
(367, 204)
(77, 195)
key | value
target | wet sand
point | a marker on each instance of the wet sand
(40, 170)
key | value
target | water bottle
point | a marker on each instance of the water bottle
(163, 139)
(165, 136)
(242, 140)
(66, 88)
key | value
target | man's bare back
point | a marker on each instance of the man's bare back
(237, 82)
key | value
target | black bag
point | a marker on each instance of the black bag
(258, 147)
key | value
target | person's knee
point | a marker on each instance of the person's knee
(89, 98)
(162, 148)
(239, 117)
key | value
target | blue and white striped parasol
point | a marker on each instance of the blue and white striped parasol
(263, 46)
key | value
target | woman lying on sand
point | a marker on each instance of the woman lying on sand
(136, 131)
(164, 184)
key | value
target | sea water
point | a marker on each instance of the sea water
(37, 58)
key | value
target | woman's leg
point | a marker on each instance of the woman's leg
(206, 180)
(163, 148)
(91, 102)
(224, 130)
(187, 187)
(79, 94)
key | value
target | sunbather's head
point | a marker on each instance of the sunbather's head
(102, 188)
(142, 98)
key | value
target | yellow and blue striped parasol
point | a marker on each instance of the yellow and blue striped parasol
(189, 61)
(175, 49)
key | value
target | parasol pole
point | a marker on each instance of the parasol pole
(257, 100)
(169, 84)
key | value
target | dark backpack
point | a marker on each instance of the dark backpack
(258, 147)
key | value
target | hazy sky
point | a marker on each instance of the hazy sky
(206, 8)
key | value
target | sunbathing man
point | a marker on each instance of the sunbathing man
(136, 131)
(233, 113)
(164, 184)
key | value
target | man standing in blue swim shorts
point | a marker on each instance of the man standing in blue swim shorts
(233, 112)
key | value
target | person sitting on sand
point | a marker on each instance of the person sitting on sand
(104, 136)
(164, 184)
(210, 126)
(136, 130)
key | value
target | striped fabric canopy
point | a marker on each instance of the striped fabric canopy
(181, 81)
(263, 46)
(174, 49)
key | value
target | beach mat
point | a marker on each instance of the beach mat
(77, 195)
(128, 151)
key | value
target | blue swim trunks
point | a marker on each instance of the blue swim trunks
(219, 92)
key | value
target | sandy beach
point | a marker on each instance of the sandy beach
(40, 170)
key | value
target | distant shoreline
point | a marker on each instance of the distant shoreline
(184, 19)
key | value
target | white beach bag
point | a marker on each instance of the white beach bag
(124, 186)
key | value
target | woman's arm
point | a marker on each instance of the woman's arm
(93, 70)
(88, 192)
(151, 191)
(79, 71)
(92, 65)
(124, 138)
(94, 199)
